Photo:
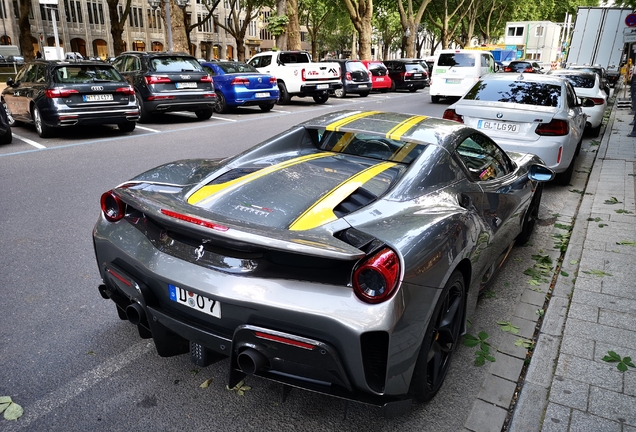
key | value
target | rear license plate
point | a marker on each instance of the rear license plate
(322, 86)
(261, 95)
(362, 86)
(98, 97)
(417, 75)
(195, 301)
(453, 81)
(498, 126)
(182, 85)
(380, 79)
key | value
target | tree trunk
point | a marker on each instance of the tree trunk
(361, 14)
(26, 42)
(117, 24)
(293, 28)
(281, 40)
(179, 37)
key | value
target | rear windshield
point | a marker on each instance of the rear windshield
(414, 67)
(86, 74)
(175, 64)
(377, 69)
(522, 92)
(456, 59)
(292, 57)
(519, 66)
(580, 81)
(368, 145)
(356, 66)
(232, 67)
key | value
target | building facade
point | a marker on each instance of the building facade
(83, 26)
(535, 40)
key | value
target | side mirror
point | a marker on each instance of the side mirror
(540, 173)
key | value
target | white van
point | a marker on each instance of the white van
(456, 71)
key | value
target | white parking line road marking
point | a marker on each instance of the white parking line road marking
(74, 388)
(28, 141)
(281, 111)
(221, 118)
(147, 129)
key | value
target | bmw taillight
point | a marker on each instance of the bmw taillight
(451, 114)
(377, 277)
(528, 69)
(239, 81)
(348, 76)
(112, 206)
(597, 101)
(157, 79)
(507, 69)
(59, 92)
(207, 79)
(554, 128)
(129, 91)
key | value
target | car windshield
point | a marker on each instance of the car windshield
(86, 74)
(521, 92)
(376, 146)
(175, 64)
(456, 59)
(235, 67)
(579, 81)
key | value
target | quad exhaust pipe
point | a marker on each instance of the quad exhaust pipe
(250, 361)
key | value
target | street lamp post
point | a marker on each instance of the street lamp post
(154, 4)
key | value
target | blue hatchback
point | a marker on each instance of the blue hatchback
(239, 84)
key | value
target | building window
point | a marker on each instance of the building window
(539, 31)
(515, 31)
(95, 13)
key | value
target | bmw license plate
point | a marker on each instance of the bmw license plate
(183, 85)
(322, 86)
(194, 301)
(98, 97)
(498, 126)
(261, 95)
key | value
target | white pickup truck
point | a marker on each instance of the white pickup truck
(297, 75)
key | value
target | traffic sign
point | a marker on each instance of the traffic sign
(630, 20)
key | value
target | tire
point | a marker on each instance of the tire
(7, 137)
(365, 94)
(128, 126)
(392, 86)
(563, 179)
(283, 97)
(266, 107)
(221, 104)
(321, 99)
(532, 215)
(10, 120)
(578, 147)
(594, 132)
(413, 90)
(204, 114)
(144, 115)
(440, 340)
(339, 93)
(42, 129)
(384, 90)
(435, 99)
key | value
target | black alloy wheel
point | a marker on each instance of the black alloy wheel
(204, 114)
(440, 340)
(42, 129)
(144, 115)
(321, 99)
(221, 105)
(128, 126)
(283, 95)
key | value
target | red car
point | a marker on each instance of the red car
(380, 78)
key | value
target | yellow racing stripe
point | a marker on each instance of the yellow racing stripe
(322, 210)
(403, 127)
(210, 190)
(343, 142)
(335, 126)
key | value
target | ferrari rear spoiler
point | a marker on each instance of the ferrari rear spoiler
(170, 211)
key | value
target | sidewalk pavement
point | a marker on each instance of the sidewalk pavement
(568, 385)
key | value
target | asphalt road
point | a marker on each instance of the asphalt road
(73, 365)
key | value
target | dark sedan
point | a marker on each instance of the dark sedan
(523, 66)
(239, 84)
(58, 94)
(343, 256)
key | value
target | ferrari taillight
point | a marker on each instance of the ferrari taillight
(554, 128)
(376, 278)
(112, 206)
(451, 114)
(59, 92)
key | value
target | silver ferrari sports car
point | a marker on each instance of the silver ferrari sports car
(342, 256)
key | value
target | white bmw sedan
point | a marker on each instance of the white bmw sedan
(527, 113)
(587, 85)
